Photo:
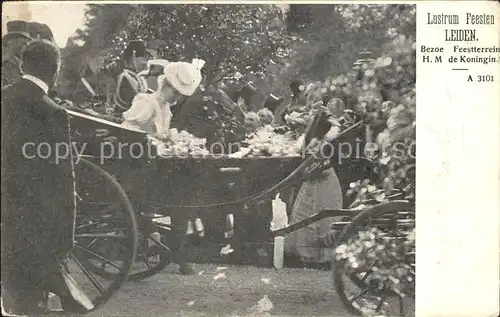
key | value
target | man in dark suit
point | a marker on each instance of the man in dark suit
(38, 192)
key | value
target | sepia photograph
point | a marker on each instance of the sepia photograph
(171, 159)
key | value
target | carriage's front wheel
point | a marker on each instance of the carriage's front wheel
(374, 264)
(105, 235)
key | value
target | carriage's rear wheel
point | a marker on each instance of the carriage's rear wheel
(105, 235)
(382, 279)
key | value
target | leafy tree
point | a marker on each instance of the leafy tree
(232, 39)
(103, 21)
(336, 34)
(298, 17)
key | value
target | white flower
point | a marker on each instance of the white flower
(263, 305)
(219, 276)
(341, 249)
(226, 250)
(265, 280)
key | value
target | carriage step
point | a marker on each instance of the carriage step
(390, 222)
(400, 222)
(56, 312)
(405, 213)
(339, 224)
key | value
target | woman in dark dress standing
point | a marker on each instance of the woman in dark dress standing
(319, 193)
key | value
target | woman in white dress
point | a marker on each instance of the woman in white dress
(151, 112)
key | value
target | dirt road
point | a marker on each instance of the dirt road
(228, 291)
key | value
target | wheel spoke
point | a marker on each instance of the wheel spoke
(102, 225)
(146, 260)
(86, 225)
(381, 302)
(159, 243)
(97, 216)
(91, 244)
(113, 206)
(144, 254)
(89, 275)
(100, 257)
(369, 272)
(100, 235)
(363, 279)
(401, 306)
(393, 224)
(363, 292)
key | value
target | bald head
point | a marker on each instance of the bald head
(41, 58)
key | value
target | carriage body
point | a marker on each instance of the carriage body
(197, 181)
(185, 182)
(161, 184)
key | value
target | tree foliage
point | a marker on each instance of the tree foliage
(103, 22)
(233, 39)
(334, 34)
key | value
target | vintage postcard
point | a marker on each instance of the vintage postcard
(250, 158)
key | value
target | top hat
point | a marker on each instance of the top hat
(295, 87)
(137, 47)
(273, 102)
(17, 29)
(248, 91)
(40, 31)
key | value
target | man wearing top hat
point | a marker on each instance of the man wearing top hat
(128, 83)
(12, 45)
(40, 31)
(19, 34)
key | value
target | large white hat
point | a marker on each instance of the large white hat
(184, 77)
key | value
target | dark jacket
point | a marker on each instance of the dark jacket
(38, 194)
(193, 115)
(11, 71)
(128, 85)
(202, 116)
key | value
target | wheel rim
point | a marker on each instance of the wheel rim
(370, 287)
(105, 217)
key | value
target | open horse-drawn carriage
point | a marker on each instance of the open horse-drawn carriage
(121, 195)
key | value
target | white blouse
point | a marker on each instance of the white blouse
(148, 115)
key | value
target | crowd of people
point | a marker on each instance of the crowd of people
(38, 196)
